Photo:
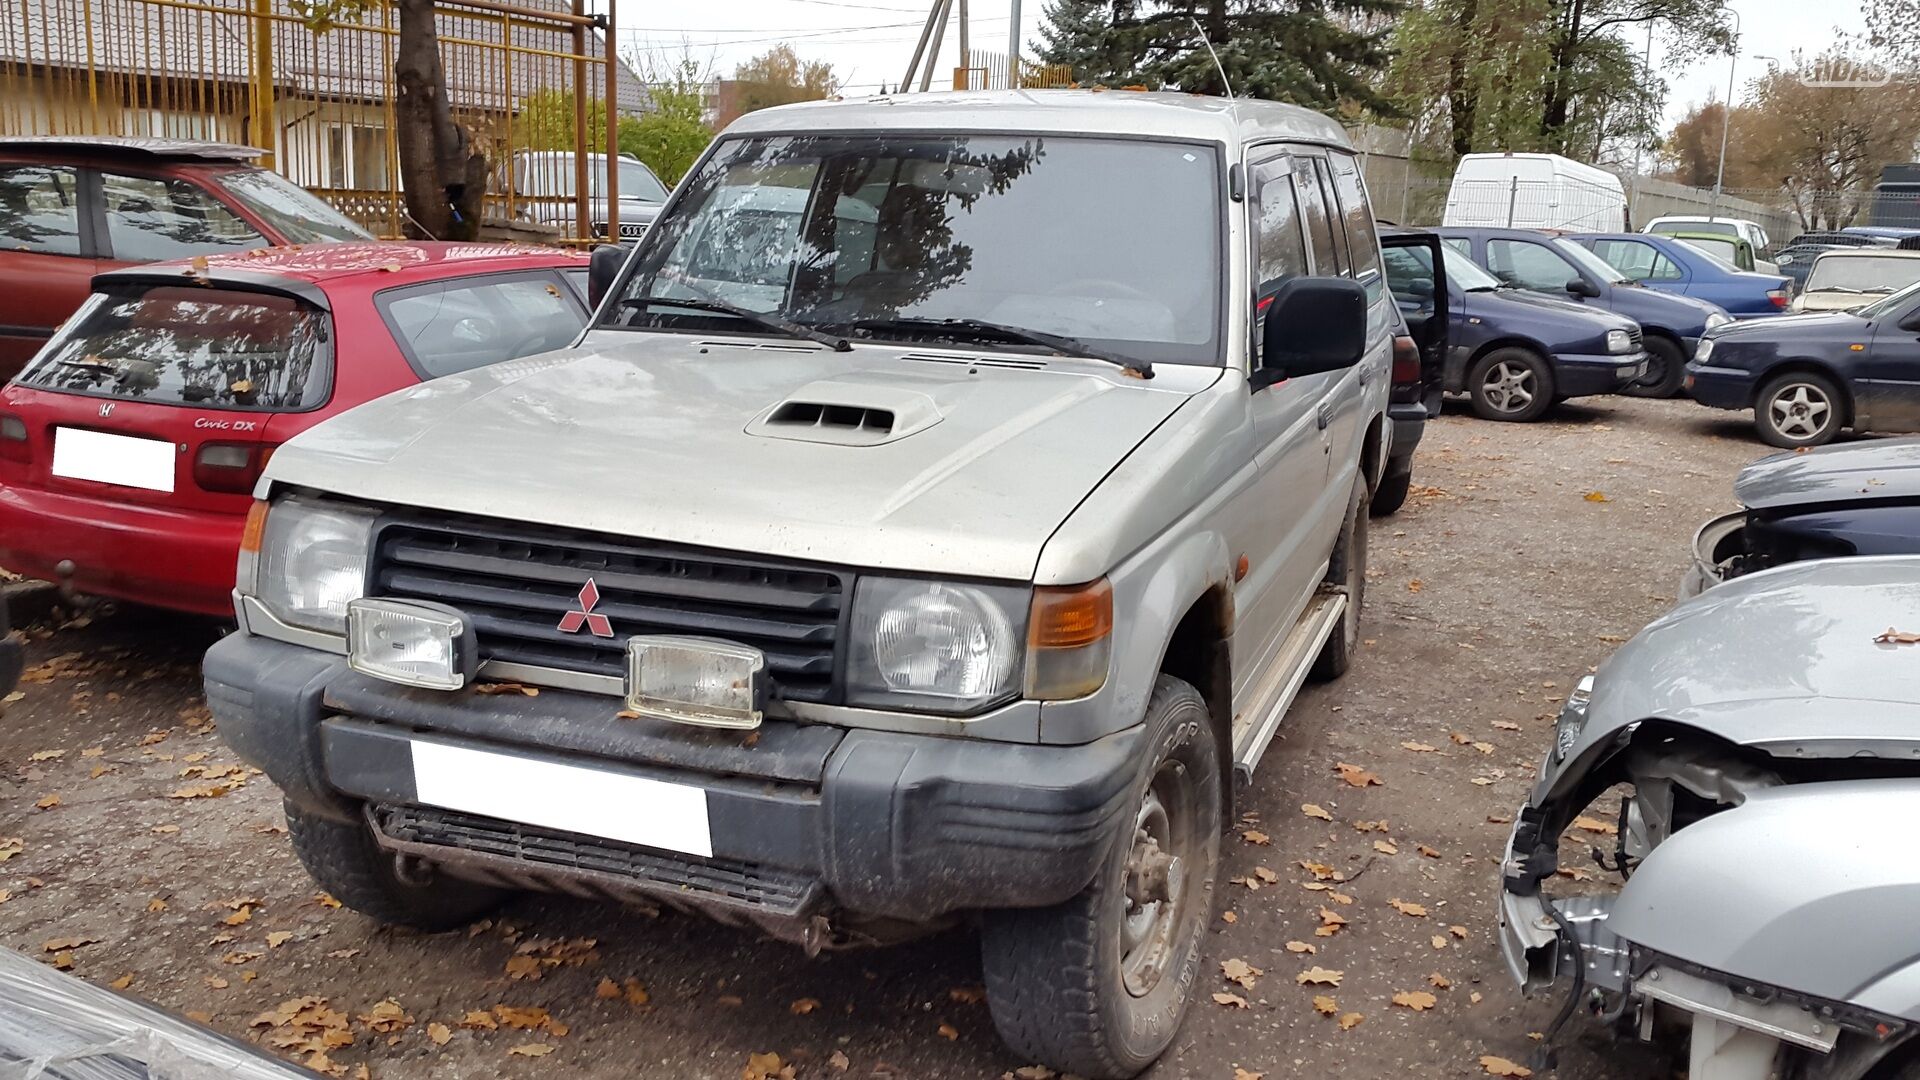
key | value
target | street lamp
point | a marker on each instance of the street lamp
(1726, 117)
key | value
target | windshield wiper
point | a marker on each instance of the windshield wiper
(979, 329)
(766, 319)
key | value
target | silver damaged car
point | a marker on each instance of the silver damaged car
(1769, 735)
(936, 522)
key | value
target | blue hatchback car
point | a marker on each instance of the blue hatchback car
(1670, 265)
(1515, 353)
(1557, 267)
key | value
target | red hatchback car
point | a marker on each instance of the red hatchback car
(72, 206)
(130, 445)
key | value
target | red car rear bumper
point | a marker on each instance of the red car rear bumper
(166, 558)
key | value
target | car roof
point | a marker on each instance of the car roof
(1869, 253)
(1701, 217)
(393, 262)
(170, 149)
(1067, 112)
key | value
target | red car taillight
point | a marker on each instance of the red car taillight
(13, 439)
(1778, 296)
(230, 467)
(1406, 360)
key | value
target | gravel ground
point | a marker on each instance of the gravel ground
(1504, 579)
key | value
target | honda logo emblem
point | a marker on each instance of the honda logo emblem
(107, 409)
(572, 621)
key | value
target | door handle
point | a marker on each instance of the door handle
(1325, 414)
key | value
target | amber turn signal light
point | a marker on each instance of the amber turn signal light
(1072, 617)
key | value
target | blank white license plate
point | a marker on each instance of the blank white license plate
(113, 459)
(615, 806)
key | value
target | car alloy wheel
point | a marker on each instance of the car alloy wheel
(1801, 411)
(1509, 387)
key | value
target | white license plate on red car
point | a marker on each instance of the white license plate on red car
(79, 454)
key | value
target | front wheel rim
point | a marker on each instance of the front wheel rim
(1158, 864)
(1800, 411)
(1508, 387)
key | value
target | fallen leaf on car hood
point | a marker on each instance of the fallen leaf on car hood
(1897, 637)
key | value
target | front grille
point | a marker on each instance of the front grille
(523, 853)
(517, 582)
(1634, 335)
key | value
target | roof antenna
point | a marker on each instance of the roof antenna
(1217, 65)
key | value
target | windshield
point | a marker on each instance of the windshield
(1722, 251)
(192, 345)
(1588, 261)
(638, 182)
(1863, 273)
(553, 174)
(1881, 308)
(1725, 228)
(294, 212)
(1112, 242)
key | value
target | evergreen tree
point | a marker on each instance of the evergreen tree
(1324, 54)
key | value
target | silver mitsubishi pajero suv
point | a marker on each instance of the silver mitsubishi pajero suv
(949, 499)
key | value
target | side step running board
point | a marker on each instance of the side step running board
(1282, 681)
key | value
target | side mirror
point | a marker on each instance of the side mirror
(1314, 324)
(606, 264)
(1582, 287)
(1911, 321)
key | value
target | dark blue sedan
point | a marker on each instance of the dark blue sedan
(1515, 353)
(1555, 266)
(1808, 376)
(1671, 265)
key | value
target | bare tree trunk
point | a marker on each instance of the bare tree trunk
(444, 172)
(1463, 97)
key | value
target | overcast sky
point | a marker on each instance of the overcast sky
(868, 42)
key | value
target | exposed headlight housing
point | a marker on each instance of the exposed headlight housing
(311, 562)
(935, 646)
(1619, 341)
(1572, 719)
(1704, 351)
(1718, 318)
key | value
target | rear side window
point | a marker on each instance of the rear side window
(1313, 207)
(40, 209)
(1362, 245)
(183, 345)
(1282, 251)
(451, 326)
(149, 219)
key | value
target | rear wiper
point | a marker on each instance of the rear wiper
(976, 329)
(766, 319)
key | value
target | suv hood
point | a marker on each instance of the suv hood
(1886, 469)
(908, 459)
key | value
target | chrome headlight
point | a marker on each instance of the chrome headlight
(1572, 719)
(1619, 341)
(1718, 318)
(936, 646)
(312, 562)
(1704, 351)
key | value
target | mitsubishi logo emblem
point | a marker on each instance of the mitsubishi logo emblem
(572, 621)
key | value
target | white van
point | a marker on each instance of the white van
(1535, 191)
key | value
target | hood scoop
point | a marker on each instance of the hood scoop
(847, 413)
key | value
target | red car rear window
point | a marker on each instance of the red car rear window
(187, 345)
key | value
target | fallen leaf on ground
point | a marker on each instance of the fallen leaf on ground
(1419, 747)
(440, 1033)
(386, 1017)
(1506, 725)
(505, 688)
(1417, 1000)
(1229, 917)
(1231, 1000)
(532, 1050)
(203, 791)
(1458, 931)
(1350, 1021)
(1325, 1005)
(1265, 874)
(47, 802)
(1427, 851)
(66, 943)
(1256, 838)
(122, 982)
(1438, 980)
(1313, 811)
(1301, 947)
(948, 1032)
(1595, 825)
(1415, 585)
(1320, 976)
(974, 995)
(766, 1067)
(1499, 1066)
(839, 1062)
(1239, 971)
(279, 938)
(11, 846)
(1385, 847)
(1356, 776)
(1405, 907)
(804, 1006)
(1596, 496)
(479, 1021)
(1439, 942)
(1242, 1074)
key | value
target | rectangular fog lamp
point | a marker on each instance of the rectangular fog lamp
(411, 643)
(696, 681)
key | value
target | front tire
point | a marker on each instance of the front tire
(1800, 408)
(344, 860)
(1097, 986)
(1347, 569)
(1512, 384)
(1666, 369)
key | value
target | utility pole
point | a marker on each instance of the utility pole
(966, 57)
(1013, 49)
(1726, 117)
